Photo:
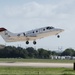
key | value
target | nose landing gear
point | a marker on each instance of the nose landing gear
(27, 42)
(58, 36)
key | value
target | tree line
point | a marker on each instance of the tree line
(30, 52)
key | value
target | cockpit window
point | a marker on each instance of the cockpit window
(50, 28)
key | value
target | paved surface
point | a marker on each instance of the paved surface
(32, 64)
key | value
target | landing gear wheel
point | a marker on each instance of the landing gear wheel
(34, 42)
(27, 42)
(58, 36)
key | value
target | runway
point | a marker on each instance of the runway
(33, 64)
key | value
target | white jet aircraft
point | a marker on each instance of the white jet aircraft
(29, 35)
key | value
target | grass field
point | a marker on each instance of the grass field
(35, 60)
(35, 71)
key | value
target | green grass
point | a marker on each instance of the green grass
(35, 60)
(35, 71)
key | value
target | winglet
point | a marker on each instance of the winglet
(2, 29)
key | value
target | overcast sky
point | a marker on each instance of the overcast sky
(24, 15)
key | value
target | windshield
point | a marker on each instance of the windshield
(50, 28)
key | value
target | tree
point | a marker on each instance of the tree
(42, 53)
(23, 53)
(68, 52)
(13, 52)
(32, 53)
(54, 53)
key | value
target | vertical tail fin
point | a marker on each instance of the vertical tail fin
(5, 34)
(2, 29)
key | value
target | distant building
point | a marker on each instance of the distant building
(63, 57)
(73, 58)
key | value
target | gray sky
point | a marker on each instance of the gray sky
(24, 15)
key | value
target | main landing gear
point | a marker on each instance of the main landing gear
(34, 42)
(27, 42)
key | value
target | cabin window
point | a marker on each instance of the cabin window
(43, 29)
(33, 31)
(36, 31)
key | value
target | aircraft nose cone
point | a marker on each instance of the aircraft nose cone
(60, 30)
